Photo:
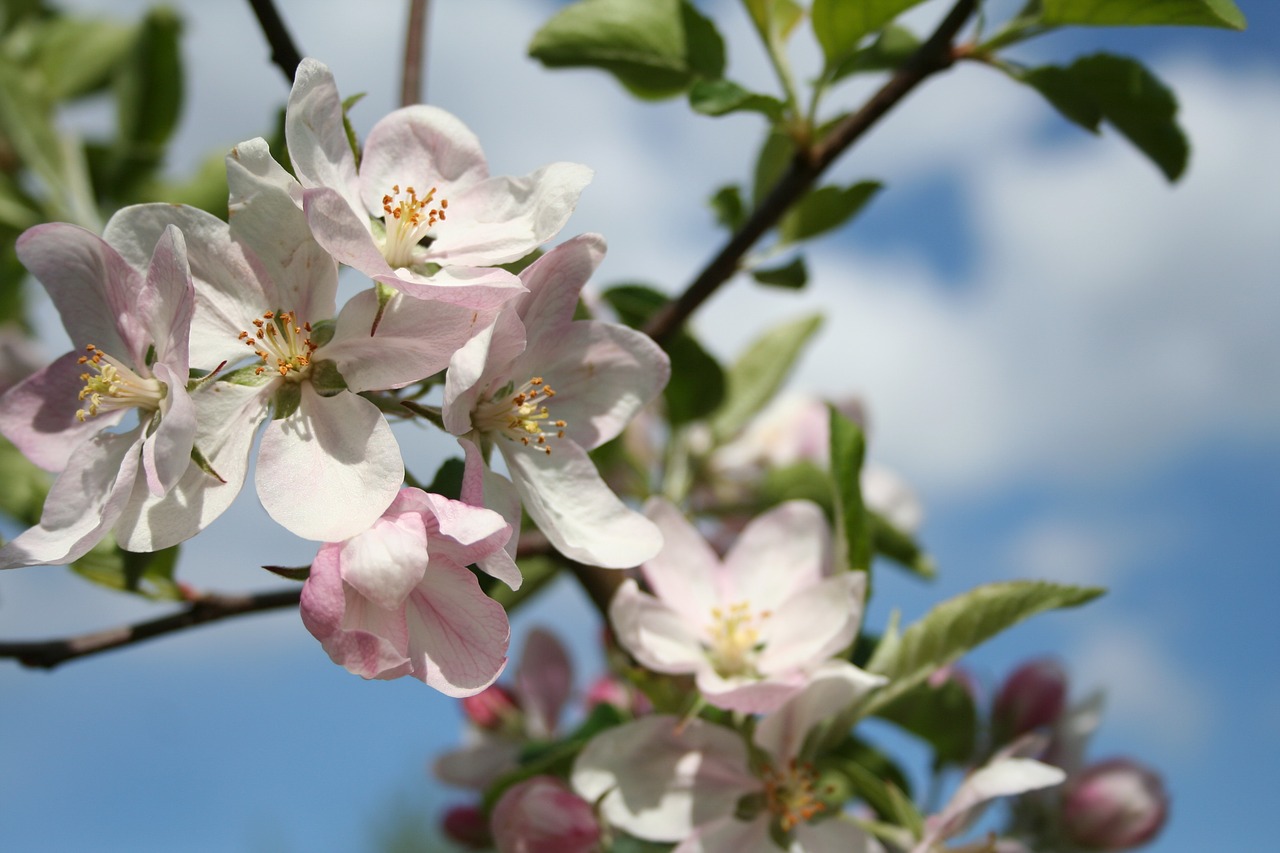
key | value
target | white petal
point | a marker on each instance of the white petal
(654, 633)
(835, 686)
(813, 624)
(780, 553)
(422, 147)
(683, 574)
(483, 487)
(315, 134)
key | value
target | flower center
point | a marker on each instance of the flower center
(735, 639)
(789, 794)
(408, 219)
(521, 414)
(112, 385)
(283, 346)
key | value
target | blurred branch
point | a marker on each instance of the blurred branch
(936, 54)
(209, 607)
(413, 83)
(284, 53)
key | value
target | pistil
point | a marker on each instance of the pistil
(112, 385)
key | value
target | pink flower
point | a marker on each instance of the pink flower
(663, 779)
(542, 815)
(129, 371)
(1116, 804)
(544, 389)
(750, 628)
(398, 599)
(421, 212)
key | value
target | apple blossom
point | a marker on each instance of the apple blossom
(1116, 804)
(1034, 695)
(421, 212)
(132, 327)
(542, 815)
(544, 389)
(750, 628)
(661, 778)
(398, 599)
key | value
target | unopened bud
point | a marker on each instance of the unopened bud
(1033, 696)
(542, 815)
(1114, 805)
(493, 708)
(467, 826)
(608, 689)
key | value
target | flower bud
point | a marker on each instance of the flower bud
(466, 825)
(609, 689)
(1114, 805)
(542, 815)
(493, 708)
(1033, 696)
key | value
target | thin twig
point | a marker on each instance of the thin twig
(284, 53)
(209, 607)
(933, 56)
(413, 83)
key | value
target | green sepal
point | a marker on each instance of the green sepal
(298, 573)
(448, 479)
(352, 140)
(322, 330)
(286, 401)
(325, 378)
(201, 462)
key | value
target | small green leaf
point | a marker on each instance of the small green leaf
(901, 547)
(352, 139)
(76, 55)
(1123, 92)
(799, 481)
(1136, 13)
(728, 207)
(721, 97)
(26, 123)
(773, 161)
(792, 275)
(958, 625)
(944, 716)
(149, 575)
(854, 539)
(824, 209)
(448, 479)
(890, 49)
(25, 485)
(656, 48)
(148, 101)
(757, 374)
(776, 18)
(840, 25)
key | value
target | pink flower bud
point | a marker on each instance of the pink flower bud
(1114, 805)
(467, 826)
(612, 690)
(1033, 696)
(493, 708)
(541, 815)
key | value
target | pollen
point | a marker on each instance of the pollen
(789, 794)
(111, 385)
(409, 219)
(522, 414)
(283, 344)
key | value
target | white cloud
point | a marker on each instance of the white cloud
(1082, 552)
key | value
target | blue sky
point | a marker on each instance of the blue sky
(1075, 365)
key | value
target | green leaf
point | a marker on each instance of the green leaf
(1135, 13)
(76, 56)
(945, 717)
(773, 161)
(890, 49)
(448, 479)
(824, 209)
(754, 379)
(149, 575)
(24, 485)
(840, 24)
(792, 275)
(1123, 92)
(958, 625)
(26, 123)
(798, 481)
(728, 207)
(656, 48)
(721, 97)
(775, 18)
(854, 540)
(148, 100)
(901, 547)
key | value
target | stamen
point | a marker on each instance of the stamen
(790, 796)
(282, 344)
(113, 386)
(408, 220)
(735, 639)
(522, 416)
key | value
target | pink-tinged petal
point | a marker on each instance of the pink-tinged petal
(555, 282)
(541, 815)
(265, 213)
(834, 836)
(603, 374)
(814, 624)
(316, 136)
(39, 414)
(482, 487)
(780, 553)
(165, 303)
(834, 687)
(82, 505)
(457, 634)
(91, 285)
(457, 530)
(564, 494)
(659, 777)
(544, 680)
(385, 562)
(1001, 778)
(748, 695)
(655, 634)
(231, 286)
(504, 219)
(328, 470)
(683, 573)
(420, 147)
(366, 641)
(729, 835)
(414, 339)
(166, 453)
(227, 417)
(477, 365)
(470, 287)
(343, 232)
(480, 761)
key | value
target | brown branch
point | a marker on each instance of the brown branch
(933, 56)
(284, 53)
(413, 83)
(210, 607)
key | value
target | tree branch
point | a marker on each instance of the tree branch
(933, 56)
(210, 607)
(413, 83)
(284, 53)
